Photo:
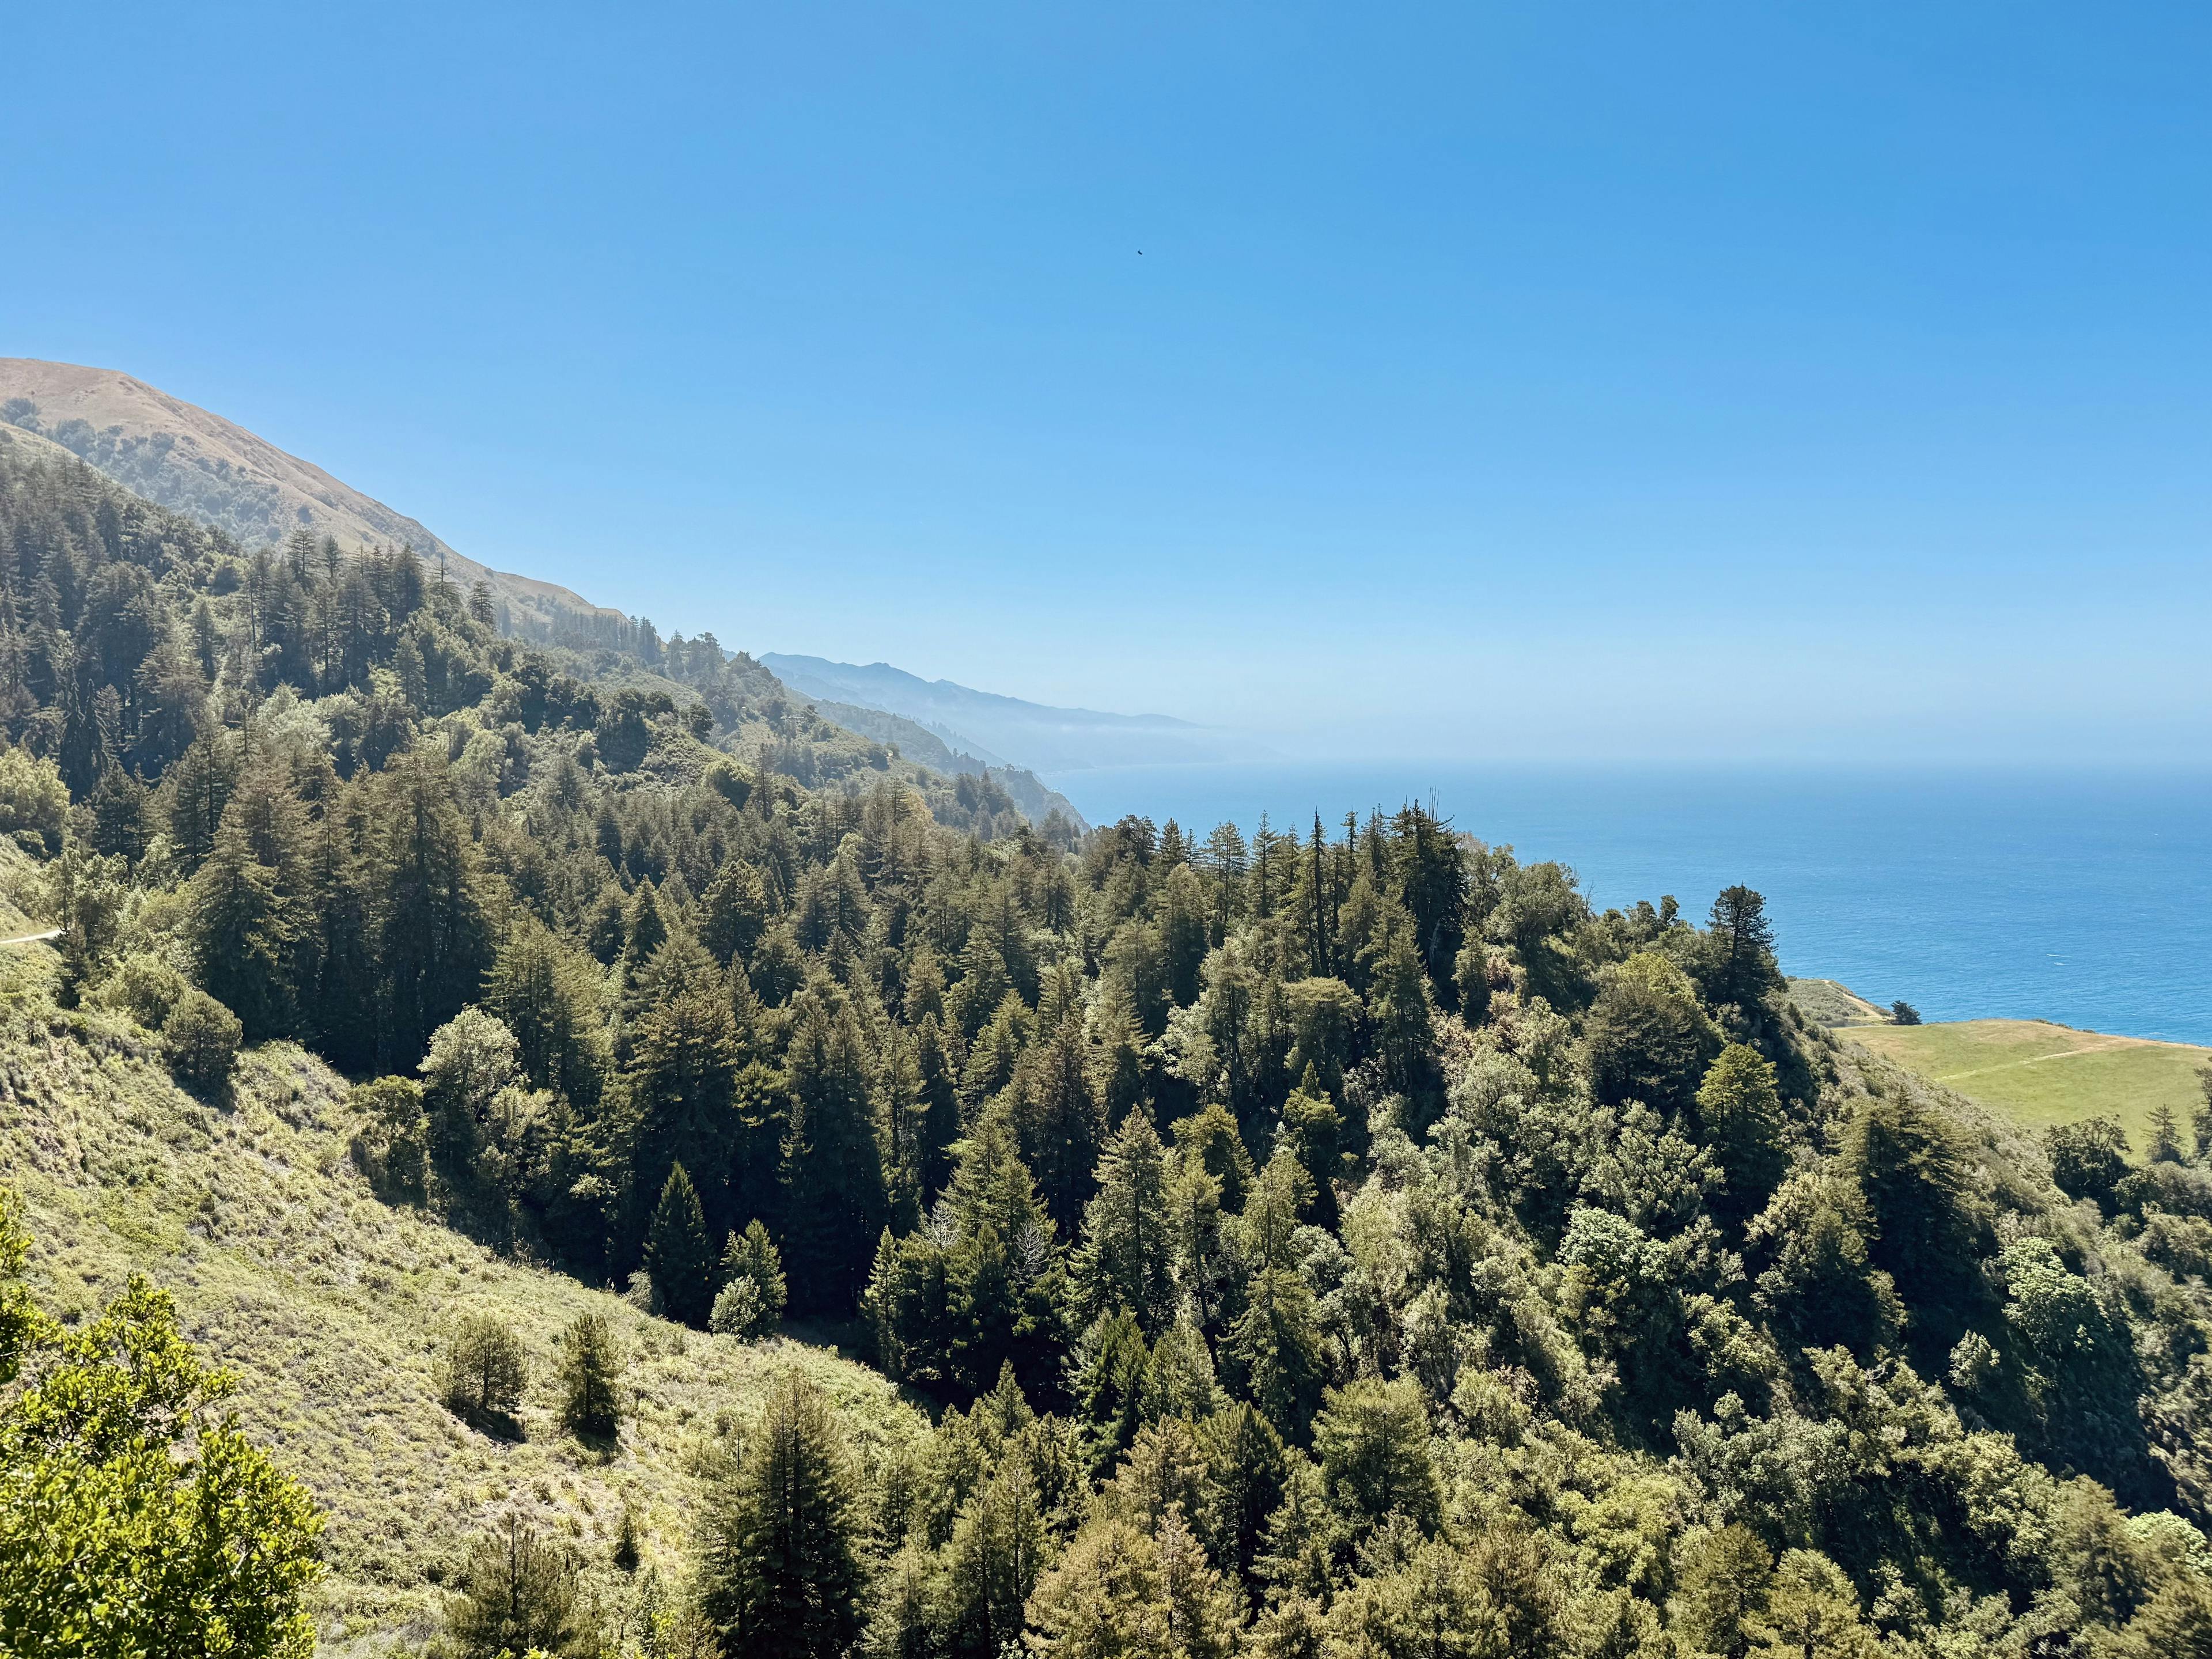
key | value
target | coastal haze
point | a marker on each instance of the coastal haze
(1198, 833)
(2066, 892)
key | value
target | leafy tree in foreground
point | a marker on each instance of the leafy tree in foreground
(115, 1471)
(780, 1572)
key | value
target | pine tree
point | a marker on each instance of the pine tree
(752, 1276)
(1275, 1347)
(432, 936)
(999, 1546)
(1125, 1259)
(1108, 1381)
(241, 934)
(544, 991)
(940, 1106)
(591, 1362)
(780, 1572)
(485, 1371)
(683, 1083)
(677, 1255)
(1060, 1122)
(518, 1594)
(733, 912)
(836, 1201)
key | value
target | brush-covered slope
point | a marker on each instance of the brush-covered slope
(332, 1308)
(183, 457)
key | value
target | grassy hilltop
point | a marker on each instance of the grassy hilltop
(2035, 1071)
(2044, 1074)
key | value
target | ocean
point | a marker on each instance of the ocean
(2080, 896)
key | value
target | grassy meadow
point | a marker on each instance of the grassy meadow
(2043, 1075)
(330, 1306)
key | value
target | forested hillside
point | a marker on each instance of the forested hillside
(1337, 1242)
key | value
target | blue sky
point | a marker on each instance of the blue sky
(1688, 380)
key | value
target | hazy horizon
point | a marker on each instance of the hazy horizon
(1725, 385)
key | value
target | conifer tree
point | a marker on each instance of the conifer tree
(432, 937)
(1108, 1381)
(591, 1365)
(837, 1202)
(752, 1284)
(1125, 1259)
(683, 1087)
(240, 933)
(677, 1255)
(518, 1595)
(733, 912)
(939, 1100)
(1275, 1345)
(544, 991)
(780, 1571)
(1739, 1113)
(484, 1369)
(1060, 1122)
(999, 1546)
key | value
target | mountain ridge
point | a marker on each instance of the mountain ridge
(1041, 737)
(178, 455)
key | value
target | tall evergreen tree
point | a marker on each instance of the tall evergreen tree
(241, 933)
(677, 1254)
(836, 1201)
(433, 936)
(1125, 1259)
(780, 1573)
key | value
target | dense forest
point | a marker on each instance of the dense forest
(1342, 1241)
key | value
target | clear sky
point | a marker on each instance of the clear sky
(1825, 381)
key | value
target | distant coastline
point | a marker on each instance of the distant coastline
(2072, 895)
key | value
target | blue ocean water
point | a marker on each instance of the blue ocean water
(2081, 896)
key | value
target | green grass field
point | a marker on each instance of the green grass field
(2043, 1075)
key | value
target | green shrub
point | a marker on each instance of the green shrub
(391, 1145)
(34, 800)
(201, 1039)
(145, 987)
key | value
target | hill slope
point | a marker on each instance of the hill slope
(2041, 1074)
(917, 742)
(180, 456)
(330, 1306)
(989, 726)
